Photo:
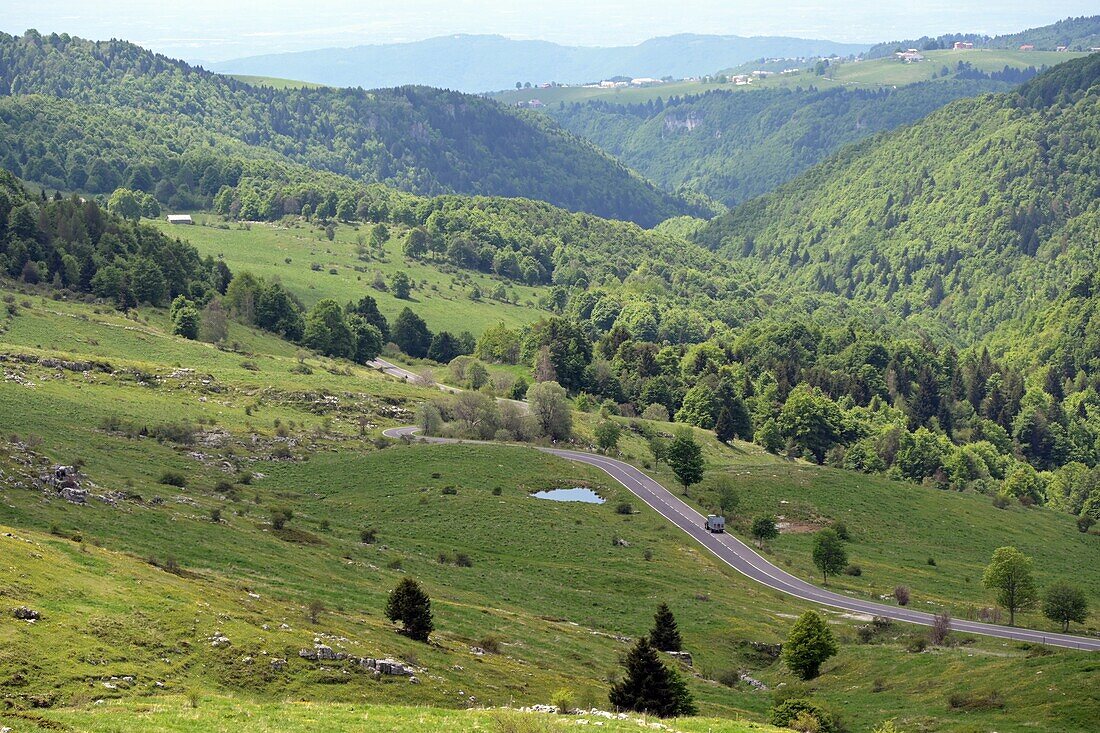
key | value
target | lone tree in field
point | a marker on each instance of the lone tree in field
(665, 635)
(808, 645)
(651, 687)
(764, 529)
(685, 458)
(410, 605)
(1009, 575)
(1063, 602)
(829, 554)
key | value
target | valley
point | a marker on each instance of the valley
(287, 369)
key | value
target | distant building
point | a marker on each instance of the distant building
(1027, 47)
(644, 80)
(963, 46)
(1062, 48)
(180, 219)
(911, 56)
(535, 103)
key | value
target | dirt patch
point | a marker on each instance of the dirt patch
(796, 526)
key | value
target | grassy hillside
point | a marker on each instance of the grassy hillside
(443, 298)
(423, 140)
(274, 82)
(865, 74)
(546, 579)
(895, 527)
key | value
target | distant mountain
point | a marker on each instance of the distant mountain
(422, 140)
(482, 63)
(1076, 34)
(984, 213)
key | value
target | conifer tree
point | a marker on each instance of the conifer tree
(410, 605)
(665, 636)
(649, 686)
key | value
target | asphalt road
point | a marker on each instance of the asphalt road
(745, 560)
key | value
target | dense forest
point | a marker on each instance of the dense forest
(422, 140)
(734, 145)
(984, 213)
(74, 244)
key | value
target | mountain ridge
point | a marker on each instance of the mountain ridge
(426, 141)
(482, 63)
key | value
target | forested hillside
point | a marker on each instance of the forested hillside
(733, 145)
(983, 213)
(1076, 34)
(73, 244)
(421, 140)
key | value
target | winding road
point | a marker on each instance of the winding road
(749, 563)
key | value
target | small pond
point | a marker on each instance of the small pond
(588, 496)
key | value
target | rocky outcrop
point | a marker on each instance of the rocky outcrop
(26, 614)
(684, 657)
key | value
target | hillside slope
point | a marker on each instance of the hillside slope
(986, 197)
(545, 580)
(733, 145)
(422, 140)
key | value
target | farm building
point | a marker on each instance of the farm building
(180, 219)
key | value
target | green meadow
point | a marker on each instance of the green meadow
(313, 268)
(558, 591)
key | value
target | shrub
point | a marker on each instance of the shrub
(562, 700)
(853, 570)
(368, 536)
(449, 491)
(841, 530)
(1000, 501)
(1084, 524)
(497, 491)
(316, 608)
(802, 710)
(901, 595)
(215, 515)
(917, 645)
(624, 507)
(932, 561)
(941, 628)
(280, 516)
(991, 700)
(173, 478)
(490, 644)
(463, 560)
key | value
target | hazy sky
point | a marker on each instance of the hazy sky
(215, 30)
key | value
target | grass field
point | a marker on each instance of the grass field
(318, 268)
(275, 82)
(872, 74)
(545, 580)
(896, 527)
